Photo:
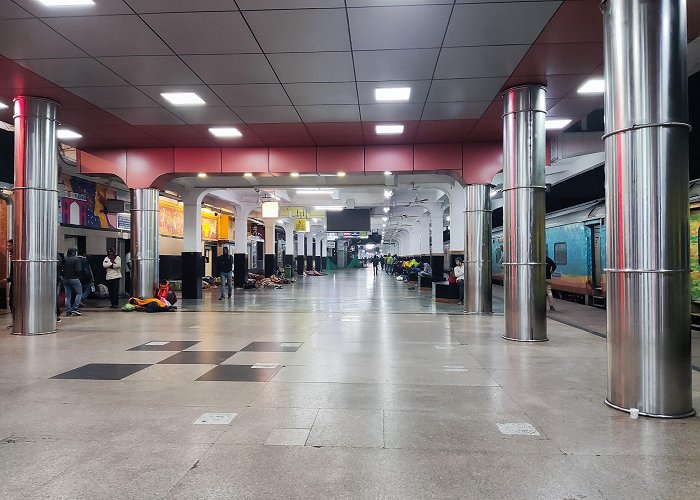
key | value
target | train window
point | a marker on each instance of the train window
(560, 254)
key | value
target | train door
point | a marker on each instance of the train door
(596, 268)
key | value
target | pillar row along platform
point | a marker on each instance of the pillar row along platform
(546, 145)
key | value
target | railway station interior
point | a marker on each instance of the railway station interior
(399, 249)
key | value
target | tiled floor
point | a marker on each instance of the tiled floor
(343, 386)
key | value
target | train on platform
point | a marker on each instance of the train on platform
(575, 239)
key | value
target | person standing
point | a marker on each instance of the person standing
(113, 267)
(459, 276)
(127, 272)
(381, 262)
(71, 282)
(226, 272)
(375, 264)
(550, 268)
(59, 285)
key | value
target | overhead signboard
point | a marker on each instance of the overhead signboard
(350, 234)
(301, 225)
(294, 212)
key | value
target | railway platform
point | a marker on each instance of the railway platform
(375, 391)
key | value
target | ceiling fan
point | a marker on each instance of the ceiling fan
(416, 201)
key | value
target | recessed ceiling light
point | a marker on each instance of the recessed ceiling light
(183, 98)
(294, 174)
(248, 174)
(387, 173)
(556, 124)
(388, 129)
(64, 133)
(201, 175)
(225, 132)
(66, 3)
(3, 105)
(385, 219)
(393, 94)
(592, 86)
(341, 174)
(386, 210)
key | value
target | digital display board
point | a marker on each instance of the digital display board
(355, 219)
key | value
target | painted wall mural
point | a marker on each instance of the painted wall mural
(171, 218)
(82, 203)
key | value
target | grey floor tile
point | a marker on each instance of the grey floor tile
(125, 471)
(347, 428)
(254, 425)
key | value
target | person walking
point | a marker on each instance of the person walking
(87, 279)
(375, 264)
(113, 267)
(226, 272)
(71, 282)
(459, 276)
(550, 268)
(381, 262)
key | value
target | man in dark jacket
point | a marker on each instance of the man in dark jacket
(87, 279)
(72, 271)
(226, 272)
(550, 268)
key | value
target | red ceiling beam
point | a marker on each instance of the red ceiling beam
(145, 167)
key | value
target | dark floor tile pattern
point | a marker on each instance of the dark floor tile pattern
(239, 373)
(102, 371)
(197, 358)
(171, 345)
(273, 346)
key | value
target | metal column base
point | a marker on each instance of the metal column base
(525, 340)
(691, 413)
(33, 334)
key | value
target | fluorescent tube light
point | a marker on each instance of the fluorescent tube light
(388, 129)
(330, 208)
(64, 133)
(225, 132)
(556, 124)
(3, 105)
(393, 94)
(592, 86)
(201, 175)
(183, 98)
(66, 3)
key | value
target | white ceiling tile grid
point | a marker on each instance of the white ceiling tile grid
(277, 61)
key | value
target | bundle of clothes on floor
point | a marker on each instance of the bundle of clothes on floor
(313, 272)
(260, 281)
(164, 301)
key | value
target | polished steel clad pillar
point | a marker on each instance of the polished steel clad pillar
(523, 213)
(477, 250)
(646, 147)
(35, 217)
(144, 242)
